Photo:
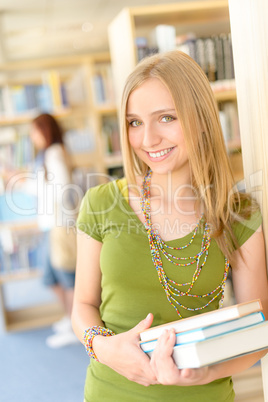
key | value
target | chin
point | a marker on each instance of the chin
(162, 170)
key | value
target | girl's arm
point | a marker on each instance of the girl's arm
(250, 282)
(120, 352)
(87, 293)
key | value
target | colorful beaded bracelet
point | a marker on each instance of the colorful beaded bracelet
(90, 334)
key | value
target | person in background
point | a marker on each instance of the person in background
(56, 216)
(159, 243)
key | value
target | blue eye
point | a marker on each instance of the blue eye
(135, 123)
(167, 119)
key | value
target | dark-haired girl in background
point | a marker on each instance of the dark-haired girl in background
(55, 215)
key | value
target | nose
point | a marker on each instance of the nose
(151, 137)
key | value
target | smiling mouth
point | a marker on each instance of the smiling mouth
(160, 153)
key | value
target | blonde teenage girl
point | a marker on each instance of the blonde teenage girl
(159, 242)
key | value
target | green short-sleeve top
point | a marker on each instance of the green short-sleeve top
(131, 289)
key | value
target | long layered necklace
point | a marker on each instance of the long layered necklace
(158, 246)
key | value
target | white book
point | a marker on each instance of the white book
(203, 320)
(201, 334)
(221, 348)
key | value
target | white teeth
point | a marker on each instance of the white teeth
(161, 153)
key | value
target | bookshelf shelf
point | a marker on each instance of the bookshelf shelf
(83, 160)
(225, 96)
(106, 109)
(32, 317)
(20, 275)
(80, 114)
(74, 76)
(184, 13)
(26, 118)
(113, 160)
(205, 19)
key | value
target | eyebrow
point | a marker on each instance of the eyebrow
(153, 113)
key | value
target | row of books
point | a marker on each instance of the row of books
(214, 53)
(48, 96)
(26, 257)
(230, 125)
(53, 94)
(102, 84)
(16, 148)
(111, 136)
(213, 337)
(79, 141)
(23, 251)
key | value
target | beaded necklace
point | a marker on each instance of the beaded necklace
(158, 246)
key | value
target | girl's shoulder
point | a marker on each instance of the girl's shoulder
(246, 219)
(106, 193)
(54, 153)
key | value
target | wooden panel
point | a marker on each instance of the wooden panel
(181, 13)
(248, 385)
(122, 49)
(225, 96)
(33, 317)
(249, 30)
(237, 166)
(20, 275)
(55, 62)
(86, 159)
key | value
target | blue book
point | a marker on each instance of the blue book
(200, 334)
(204, 319)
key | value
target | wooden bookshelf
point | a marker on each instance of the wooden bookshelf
(31, 316)
(138, 21)
(86, 115)
(248, 385)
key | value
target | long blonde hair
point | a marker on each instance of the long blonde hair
(198, 114)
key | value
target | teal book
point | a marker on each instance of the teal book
(221, 348)
(204, 319)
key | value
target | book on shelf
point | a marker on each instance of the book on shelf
(79, 141)
(47, 96)
(230, 125)
(51, 79)
(102, 85)
(212, 53)
(16, 148)
(74, 88)
(164, 37)
(110, 135)
(204, 319)
(203, 333)
(221, 348)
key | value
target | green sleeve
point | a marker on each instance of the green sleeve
(87, 219)
(243, 230)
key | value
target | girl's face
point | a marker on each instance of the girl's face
(155, 132)
(37, 138)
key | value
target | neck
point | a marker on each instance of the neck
(173, 192)
(171, 184)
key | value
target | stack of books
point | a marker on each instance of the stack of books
(213, 337)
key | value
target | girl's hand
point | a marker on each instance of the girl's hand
(165, 369)
(122, 353)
